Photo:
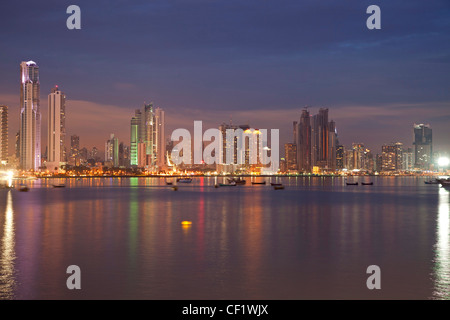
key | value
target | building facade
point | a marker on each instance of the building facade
(3, 134)
(423, 146)
(30, 117)
(56, 129)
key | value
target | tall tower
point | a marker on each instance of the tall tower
(30, 117)
(423, 146)
(160, 139)
(152, 131)
(3, 134)
(56, 127)
(112, 151)
(135, 137)
(303, 133)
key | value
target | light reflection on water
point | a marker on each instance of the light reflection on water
(313, 240)
(442, 248)
(8, 255)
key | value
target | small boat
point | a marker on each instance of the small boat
(59, 186)
(275, 184)
(444, 182)
(434, 181)
(174, 188)
(367, 183)
(184, 180)
(352, 183)
(280, 187)
(23, 188)
(254, 182)
(238, 181)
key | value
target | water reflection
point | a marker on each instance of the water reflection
(8, 254)
(442, 254)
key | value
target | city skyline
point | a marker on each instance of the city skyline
(315, 138)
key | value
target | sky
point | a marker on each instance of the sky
(256, 62)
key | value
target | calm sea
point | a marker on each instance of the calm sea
(313, 240)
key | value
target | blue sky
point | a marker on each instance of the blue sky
(253, 61)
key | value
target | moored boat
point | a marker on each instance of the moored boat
(352, 183)
(444, 182)
(367, 183)
(254, 182)
(238, 181)
(184, 180)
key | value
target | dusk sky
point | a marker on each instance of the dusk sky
(256, 62)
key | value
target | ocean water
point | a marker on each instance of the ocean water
(313, 240)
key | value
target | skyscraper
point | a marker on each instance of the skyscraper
(290, 152)
(74, 150)
(112, 151)
(160, 138)
(423, 146)
(135, 137)
(30, 117)
(303, 141)
(3, 134)
(56, 128)
(316, 140)
(388, 158)
(340, 157)
(151, 132)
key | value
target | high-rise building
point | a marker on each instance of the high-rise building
(3, 134)
(74, 150)
(302, 135)
(316, 140)
(30, 117)
(152, 131)
(389, 158)
(398, 156)
(56, 128)
(290, 151)
(408, 159)
(135, 137)
(423, 146)
(340, 157)
(112, 151)
(160, 138)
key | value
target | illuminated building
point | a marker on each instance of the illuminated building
(302, 139)
(151, 131)
(388, 158)
(74, 158)
(112, 151)
(408, 160)
(244, 149)
(423, 146)
(135, 137)
(316, 139)
(4, 134)
(56, 129)
(30, 117)
(340, 157)
(290, 151)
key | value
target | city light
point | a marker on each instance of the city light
(443, 162)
